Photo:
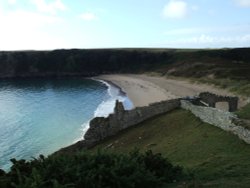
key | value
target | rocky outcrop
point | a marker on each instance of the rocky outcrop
(224, 120)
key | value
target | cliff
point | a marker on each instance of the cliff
(221, 63)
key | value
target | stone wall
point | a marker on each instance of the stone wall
(211, 99)
(224, 120)
(101, 127)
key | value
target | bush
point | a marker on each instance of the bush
(92, 170)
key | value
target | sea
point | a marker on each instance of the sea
(40, 116)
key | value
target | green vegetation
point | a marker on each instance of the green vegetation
(239, 87)
(210, 157)
(226, 68)
(100, 169)
(224, 63)
(78, 62)
(244, 113)
(217, 158)
(221, 63)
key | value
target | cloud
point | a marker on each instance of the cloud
(175, 9)
(22, 30)
(88, 16)
(204, 41)
(224, 30)
(12, 2)
(27, 19)
(52, 7)
(243, 3)
(212, 37)
(184, 31)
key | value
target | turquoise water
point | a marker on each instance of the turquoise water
(41, 116)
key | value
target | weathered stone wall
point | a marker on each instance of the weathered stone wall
(101, 127)
(211, 99)
(224, 120)
(121, 119)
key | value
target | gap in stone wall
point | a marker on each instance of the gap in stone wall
(222, 106)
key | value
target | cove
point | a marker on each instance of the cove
(39, 116)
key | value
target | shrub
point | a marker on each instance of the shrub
(100, 169)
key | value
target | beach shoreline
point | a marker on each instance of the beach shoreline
(143, 90)
(140, 92)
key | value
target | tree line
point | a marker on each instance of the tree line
(99, 61)
(75, 61)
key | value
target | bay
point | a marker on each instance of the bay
(40, 116)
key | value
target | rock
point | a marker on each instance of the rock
(151, 145)
(108, 146)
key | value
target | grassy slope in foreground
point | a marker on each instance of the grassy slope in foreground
(216, 157)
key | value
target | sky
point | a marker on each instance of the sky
(57, 24)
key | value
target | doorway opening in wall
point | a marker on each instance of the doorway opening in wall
(222, 106)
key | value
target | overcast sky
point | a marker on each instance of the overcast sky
(50, 24)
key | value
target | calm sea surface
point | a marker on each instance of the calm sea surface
(40, 116)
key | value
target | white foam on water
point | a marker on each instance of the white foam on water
(107, 106)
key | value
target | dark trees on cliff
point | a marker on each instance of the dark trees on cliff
(231, 63)
(85, 62)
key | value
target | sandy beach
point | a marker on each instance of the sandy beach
(143, 89)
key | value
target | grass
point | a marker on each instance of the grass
(217, 158)
(239, 87)
(244, 113)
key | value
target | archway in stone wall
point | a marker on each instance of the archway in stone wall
(230, 104)
(222, 105)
